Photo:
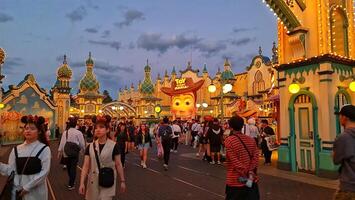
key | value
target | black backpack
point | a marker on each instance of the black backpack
(166, 133)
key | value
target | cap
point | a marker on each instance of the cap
(347, 111)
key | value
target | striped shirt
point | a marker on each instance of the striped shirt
(238, 161)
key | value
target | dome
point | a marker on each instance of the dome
(147, 87)
(227, 75)
(89, 83)
(64, 71)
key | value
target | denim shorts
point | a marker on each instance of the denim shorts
(143, 146)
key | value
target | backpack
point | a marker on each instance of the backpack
(71, 149)
(166, 133)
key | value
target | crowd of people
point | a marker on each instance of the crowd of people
(105, 143)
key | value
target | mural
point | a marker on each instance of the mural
(25, 99)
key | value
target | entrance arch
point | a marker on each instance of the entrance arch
(304, 136)
(118, 109)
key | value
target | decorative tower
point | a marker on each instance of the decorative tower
(147, 85)
(89, 98)
(173, 73)
(61, 94)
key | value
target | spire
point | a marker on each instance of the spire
(90, 61)
(132, 86)
(174, 71)
(166, 74)
(65, 59)
(260, 51)
(158, 78)
(219, 70)
(189, 65)
(205, 68)
(226, 62)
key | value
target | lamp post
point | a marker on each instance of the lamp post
(2, 60)
(226, 87)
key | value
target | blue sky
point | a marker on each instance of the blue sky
(122, 35)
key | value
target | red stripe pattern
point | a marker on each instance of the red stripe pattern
(238, 161)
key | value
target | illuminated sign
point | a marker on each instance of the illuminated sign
(157, 109)
(180, 84)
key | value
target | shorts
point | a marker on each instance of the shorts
(215, 148)
(203, 140)
(143, 146)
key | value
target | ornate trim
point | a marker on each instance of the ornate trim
(284, 13)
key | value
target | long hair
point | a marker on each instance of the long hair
(39, 122)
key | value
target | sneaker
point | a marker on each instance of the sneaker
(165, 167)
(142, 163)
(71, 187)
(64, 166)
(219, 162)
(171, 150)
(212, 163)
(144, 166)
(197, 155)
(175, 151)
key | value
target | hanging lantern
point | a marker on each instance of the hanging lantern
(227, 88)
(212, 88)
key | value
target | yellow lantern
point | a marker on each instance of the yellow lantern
(2, 105)
(294, 88)
(352, 86)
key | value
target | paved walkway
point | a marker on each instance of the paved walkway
(189, 178)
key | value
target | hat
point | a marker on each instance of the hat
(347, 111)
(183, 85)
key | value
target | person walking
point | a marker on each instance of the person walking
(175, 140)
(344, 154)
(101, 165)
(71, 143)
(121, 139)
(242, 158)
(195, 128)
(130, 136)
(203, 141)
(165, 134)
(215, 135)
(266, 131)
(29, 162)
(144, 141)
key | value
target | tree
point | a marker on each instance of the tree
(107, 97)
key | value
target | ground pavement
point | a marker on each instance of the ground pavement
(189, 178)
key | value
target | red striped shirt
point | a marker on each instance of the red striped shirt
(238, 161)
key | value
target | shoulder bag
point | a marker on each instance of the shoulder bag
(106, 174)
(71, 149)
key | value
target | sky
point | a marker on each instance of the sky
(123, 34)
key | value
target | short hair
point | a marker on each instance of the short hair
(165, 120)
(72, 122)
(236, 123)
(264, 121)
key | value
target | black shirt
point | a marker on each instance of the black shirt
(115, 152)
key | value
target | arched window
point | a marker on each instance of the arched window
(340, 100)
(259, 83)
(339, 31)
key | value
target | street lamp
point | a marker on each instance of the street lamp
(121, 108)
(226, 87)
(205, 105)
(198, 105)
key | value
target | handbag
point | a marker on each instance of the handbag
(271, 143)
(106, 174)
(71, 149)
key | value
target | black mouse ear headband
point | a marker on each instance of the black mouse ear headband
(37, 120)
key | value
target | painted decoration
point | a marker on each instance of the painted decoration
(183, 97)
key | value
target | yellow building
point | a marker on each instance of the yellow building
(250, 94)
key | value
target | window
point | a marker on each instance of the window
(339, 31)
(259, 83)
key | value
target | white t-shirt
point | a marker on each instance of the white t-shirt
(176, 129)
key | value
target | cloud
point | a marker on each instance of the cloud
(113, 44)
(156, 42)
(77, 14)
(242, 41)
(129, 17)
(11, 64)
(131, 45)
(91, 30)
(106, 34)
(209, 49)
(239, 30)
(5, 18)
(104, 67)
